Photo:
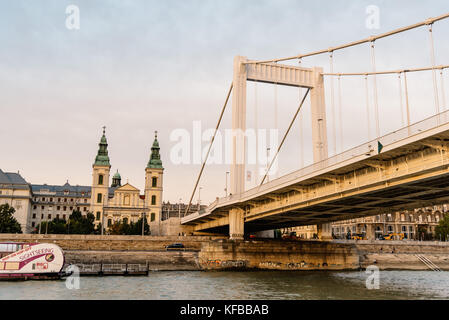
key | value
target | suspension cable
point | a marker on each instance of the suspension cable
(400, 99)
(340, 111)
(368, 122)
(334, 135)
(301, 131)
(434, 76)
(208, 151)
(256, 128)
(285, 136)
(376, 104)
(443, 95)
(355, 43)
(406, 102)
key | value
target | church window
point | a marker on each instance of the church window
(153, 200)
(99, 198)
(109, 222)
(154, 182)
(153, 216)
(98, 215)
(100, 179)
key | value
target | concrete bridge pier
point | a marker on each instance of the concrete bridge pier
(324, 231)
(236, 224)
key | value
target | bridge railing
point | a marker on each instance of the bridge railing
(366, 149)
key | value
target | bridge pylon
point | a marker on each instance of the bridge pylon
(278, 74)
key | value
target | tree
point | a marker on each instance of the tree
(79, 224)
(8, 224)
(442, 229)
(133, 228)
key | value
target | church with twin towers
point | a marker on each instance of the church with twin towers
(110, 201)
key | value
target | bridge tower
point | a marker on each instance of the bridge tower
(279, 74)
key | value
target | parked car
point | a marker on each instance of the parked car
(175, 246)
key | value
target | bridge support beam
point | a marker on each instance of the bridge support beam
(236, 224)
(238, 126)
(324, 231)
(318, 114)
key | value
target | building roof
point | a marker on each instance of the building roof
(10, 178)
(102, 158)
(155, 158)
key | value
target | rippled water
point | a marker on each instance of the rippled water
(240, 285)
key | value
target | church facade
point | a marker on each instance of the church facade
(116, 202)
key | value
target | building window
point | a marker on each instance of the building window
(154, 182)
(42, 216)
(71, 208)
(63, 216)
(51, 199)
(109, 222)
(85, 209)
(100, 179)
(126, 200)
(64, 208)
(98, 215)
(153, 200)
(99, 198)
(34, 207)
(34, 216)
(49, 216)
(85, 200)
(153, 216)
(58, 208)
(57, 216)
(33, 224)
(125, 220)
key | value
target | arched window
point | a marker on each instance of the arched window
(100, 179)
(99, 197)
(125, 220)
(153, 216)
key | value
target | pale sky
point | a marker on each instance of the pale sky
(140, 66)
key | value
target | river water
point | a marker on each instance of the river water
(239, 285)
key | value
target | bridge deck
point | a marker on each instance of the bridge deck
(411, 171)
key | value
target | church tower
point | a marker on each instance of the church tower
(153, 188)
(100, 182)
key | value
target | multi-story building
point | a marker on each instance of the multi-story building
(413, 224)
(52, 201)
(109, 204)
(16, 192)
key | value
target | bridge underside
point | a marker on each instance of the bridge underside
(409, 173)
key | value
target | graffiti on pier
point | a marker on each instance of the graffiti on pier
(217, 263)
(290, 265)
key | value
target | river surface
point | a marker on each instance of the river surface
(267, 285)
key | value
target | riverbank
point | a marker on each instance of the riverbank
(96, 254)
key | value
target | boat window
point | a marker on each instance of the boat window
(3, 247)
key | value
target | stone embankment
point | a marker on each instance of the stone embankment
(96, 254)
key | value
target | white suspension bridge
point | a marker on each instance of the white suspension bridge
(404, 169)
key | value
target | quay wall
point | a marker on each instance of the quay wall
(216, 253)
